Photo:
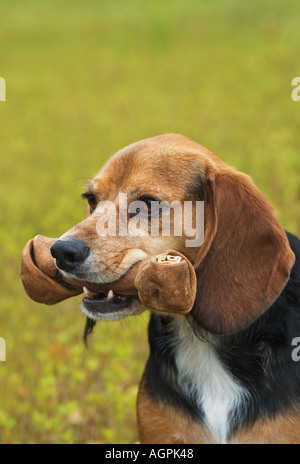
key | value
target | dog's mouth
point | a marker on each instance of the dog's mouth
(99, 305)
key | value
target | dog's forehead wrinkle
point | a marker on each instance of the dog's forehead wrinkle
(147, 170)
(113, 175)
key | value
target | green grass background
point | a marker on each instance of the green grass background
(85, 78)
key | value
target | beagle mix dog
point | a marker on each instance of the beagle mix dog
(224, 373)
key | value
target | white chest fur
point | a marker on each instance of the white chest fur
(205, 378)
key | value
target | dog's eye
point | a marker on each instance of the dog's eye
(149, 202)
(145, 205)
(91, 201)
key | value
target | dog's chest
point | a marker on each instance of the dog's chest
(205, 380)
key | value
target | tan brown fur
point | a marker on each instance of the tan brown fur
(161, 424)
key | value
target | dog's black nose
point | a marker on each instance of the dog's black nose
(69, 253)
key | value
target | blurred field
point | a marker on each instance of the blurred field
(83, 80)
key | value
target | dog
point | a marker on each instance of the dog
(224, 372)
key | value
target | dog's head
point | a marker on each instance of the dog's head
(241, 255)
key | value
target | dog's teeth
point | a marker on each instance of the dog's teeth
(110, 294)
(85, 291)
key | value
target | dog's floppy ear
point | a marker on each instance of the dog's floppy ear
(245, 259)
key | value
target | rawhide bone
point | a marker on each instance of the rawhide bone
(40, 276)
(166, 282)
